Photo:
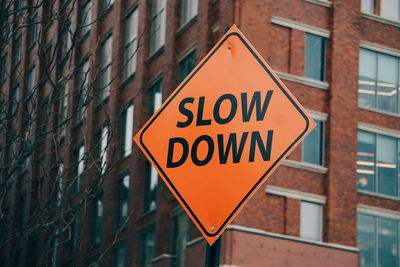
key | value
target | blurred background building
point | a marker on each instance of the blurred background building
(79, 78)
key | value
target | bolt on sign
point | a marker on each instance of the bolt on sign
(223, 132)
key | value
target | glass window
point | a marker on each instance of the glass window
(378, 173)
(105, 61)
(3, 69)
(74, 241)
(386, 153)
(63, 110)
(32, 29)
(107, 4)
(186, 65)
(155, 97)
(378, 80)
(131, 44)
(390, 9)
(119, 256)
(314, 62)
(123, 200)
(367, 79)
(103, 149)
(387, 83)
(151, 182)
(188, 10)
(127, 131)
(86, 19)
(366, 161)
(66, 39)
(80, 167)
(31, 79)
(367, 6)
(83, 91)
(157, 34)
(180, 236)
(97, 219)
(313, 151)
(17, 50)
(311, 221)
(147, 248)
(377, 240)
(58, 185)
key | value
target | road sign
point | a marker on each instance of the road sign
(222, 133)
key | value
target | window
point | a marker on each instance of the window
(367, 6)
(97, 219)
(119, 256)
(378, 80)
(58, 185)
(86, 19)
(107, 4)
(147, 248)
(66, 40)
(186, 65)
(314, 62)
(83, 91)
(150, 193)
(79, 167)
(74, 241)
(53, 255)
(377, 166)
(31, 80)
(3, 69)
(180, 236)
(378, 241)
(155, 97)
(63, 110)
(17, 50)
(127, 131)
(188, 10)
(313, 145)
(390, 9)
(103, 149)
(105, 61)
(157, 34)
(123, 197)
(131, 44)
(311, 221)
(32, 30)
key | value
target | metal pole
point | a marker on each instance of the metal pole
(213, 253)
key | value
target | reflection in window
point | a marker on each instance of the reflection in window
(314, 62)
(313, 145)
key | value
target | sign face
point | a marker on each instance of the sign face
(222, 132)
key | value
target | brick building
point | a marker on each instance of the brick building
(333, 202)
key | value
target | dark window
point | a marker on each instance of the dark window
(313, 145)
(86, 18)
(74, 241)
(186, 65)
(17, 50)
(79, 168)
(83, 91)
(131, 44)
(119, 256)
(3, 69)
(105, 62)
(147, 248)
(107, 4)
(180, 236)
(314, 62)
(127, 131)
(155, 96)
(150, 193)
(377, 163)
(32, 29)
(123, 197)
(97, 224)
(157, 34)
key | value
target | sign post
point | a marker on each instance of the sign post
(219, 136)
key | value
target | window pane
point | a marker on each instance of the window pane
(151, 188)
(366, 161)
(314, 57)
(98, 218)
(105, 61)
(131, 34)
(367, 6)
(128, 131)
(103, 149)
(86, 18)
(147, 248)
(179, 238)
(387, 81)
(186, 65)
(120, 256)
(387, 165)
(367, 79)
(157, 34)
(387, 242)
(366, 240)
(390, 9)
(155, 95)
(311, 221)
(312, 145)
(123, 195)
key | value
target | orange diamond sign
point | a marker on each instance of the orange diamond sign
(223, 132)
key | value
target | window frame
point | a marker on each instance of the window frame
(97, 221)
(123, 130)
(320, 237)
(184, 60)
(323, 58)
(157, 14)
(189, 16)
(105, 67)
(321, 117)
(119, 220)
(143, 234)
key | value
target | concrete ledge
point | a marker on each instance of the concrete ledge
(302, 80)
(289, 193)
(320, 2)
(304, 166)
(380, 19)
(300, 26)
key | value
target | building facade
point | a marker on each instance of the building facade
(84, 195)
